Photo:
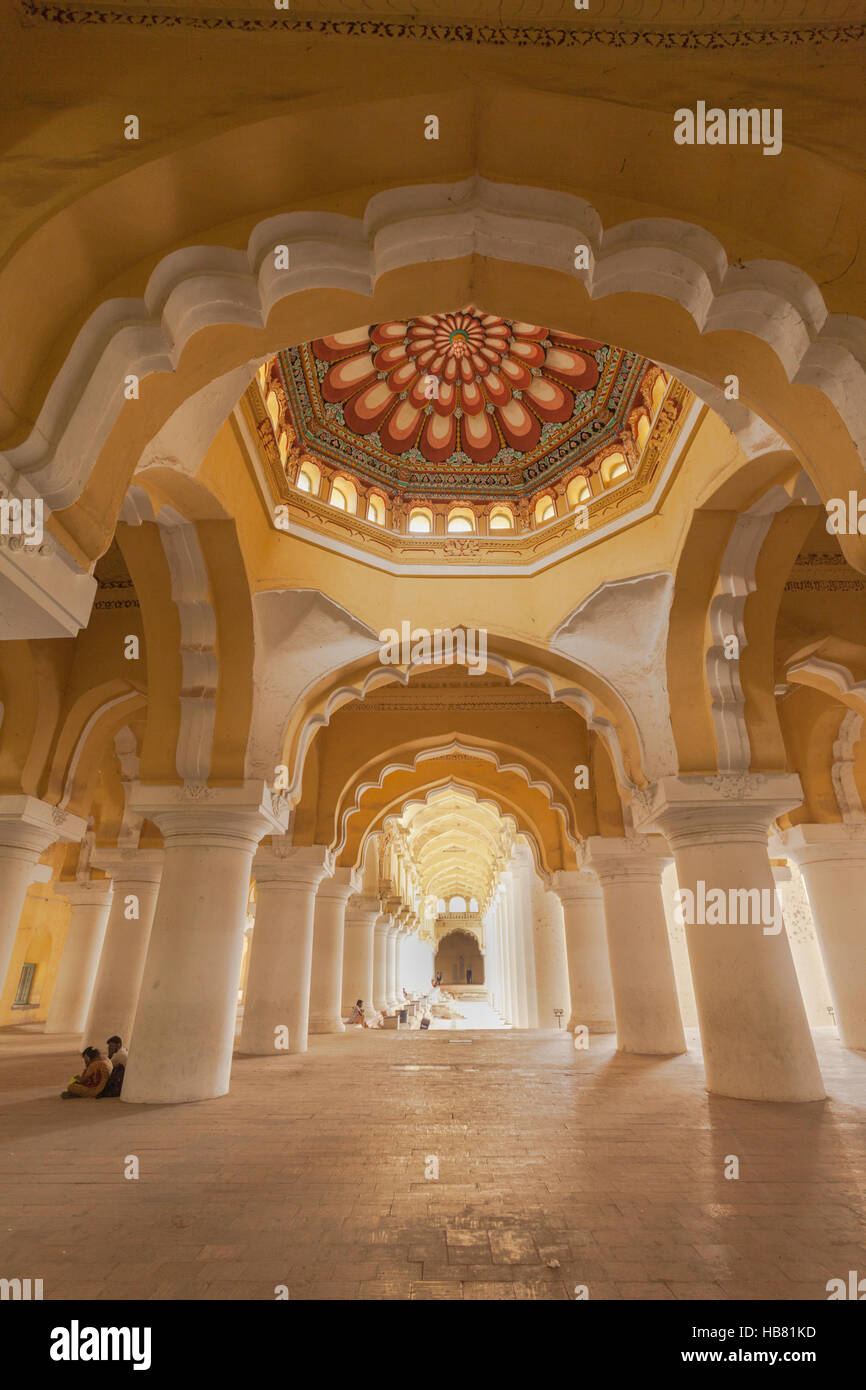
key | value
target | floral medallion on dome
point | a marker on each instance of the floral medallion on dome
(458, 403)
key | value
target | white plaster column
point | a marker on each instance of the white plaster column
(135, 874)
(27, 827)
(805, 948)
(642, 975)
(88, 915)
(510, 983)
(755, 1036)
(679, 947)
(393, 933)
(524, 878)
(551, 961)
(586, 947)
(832, 860)
(491, 959)
(399, 963)
(380, 962)
(187, 1009)
(326, 984)
(277, 998)
(358, 951)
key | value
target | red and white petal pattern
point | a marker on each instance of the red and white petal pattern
(439, 438)
(400, 430)
(554, 403)
(365, 412)
(347, 377)
(521, 428)
(494, 383)
(479, 438)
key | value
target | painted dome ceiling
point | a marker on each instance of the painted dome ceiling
(458, 404)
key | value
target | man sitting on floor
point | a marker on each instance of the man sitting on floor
(93, 1080)
(118, 1057)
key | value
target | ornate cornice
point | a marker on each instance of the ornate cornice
(313, 515)
(695, 39)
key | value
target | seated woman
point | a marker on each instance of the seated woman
(357, 1015)
(93, 1080)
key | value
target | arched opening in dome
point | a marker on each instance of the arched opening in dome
(344, 495)
(309, 478)
(461, 521)
(578, 492)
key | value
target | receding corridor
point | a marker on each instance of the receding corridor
(311, 1174)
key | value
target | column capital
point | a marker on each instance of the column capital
(574, 885)
(383, 924)
(130, 865)
(632, 857)
(96, 893)
(341, 885)
(27, 823)
(818, 842)
(361, 909)
(726, 807)
(303, 866)
(198, 815)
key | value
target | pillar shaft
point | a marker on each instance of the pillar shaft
(832, 860)
(88, 915)
(507, 958)
(805, 946)
(647, 1010)
(551, 962)
(358, 951)
(518, 902)
(187, 1011)
(391, 958)
(277, 999)
(380, 962)
(27, 828)
(586, 948)
(326, 985)
(135, 875)
(756, 1039)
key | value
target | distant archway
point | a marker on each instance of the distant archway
(459, 960)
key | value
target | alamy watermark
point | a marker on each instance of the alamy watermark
(719, 907)
(422, 646)
(23, 518)
(846, 518)
(737, 126)
(77, 1343)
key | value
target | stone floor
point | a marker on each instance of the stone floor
(555, 1168)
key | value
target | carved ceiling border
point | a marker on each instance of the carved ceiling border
(696, 40)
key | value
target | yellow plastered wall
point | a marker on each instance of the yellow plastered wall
(40, 939)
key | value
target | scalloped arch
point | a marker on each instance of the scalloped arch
(201, 287)
(456, 784)
(535, 676)
(444, 750)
